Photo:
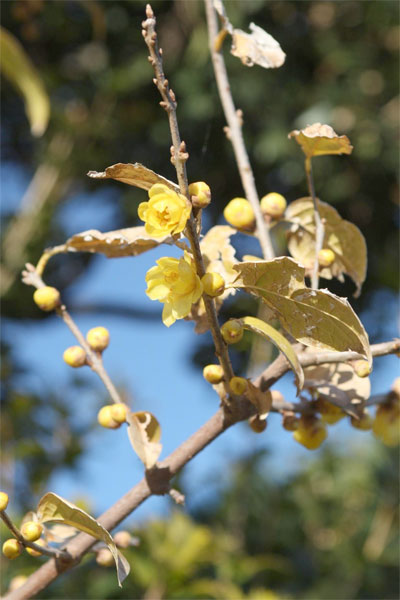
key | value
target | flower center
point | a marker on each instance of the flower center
(163, 217)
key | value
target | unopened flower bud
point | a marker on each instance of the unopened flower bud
(98, 338)
(326, 257)
(75, 356)
(104, 558)
(213, 374)
(104, 417)
(238, 385)
(47, 298)
(32, 530)
(364, 422)
(213, 284)
(239, 213)
(273, 205)
(118, 412)
(311, 432)
(200, 194)
(258, 425)
(290, 422)
(32, 551)
(123, 539)
(3, 500)
(12, 548)
(232, 331)
(361, 368)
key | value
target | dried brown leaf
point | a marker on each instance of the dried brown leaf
(133, 174)
(257, 48)
(341, 236)
(261, 400)
(317, 140)
(144, 433)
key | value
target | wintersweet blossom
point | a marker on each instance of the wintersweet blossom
(175, 283)
(165, 213)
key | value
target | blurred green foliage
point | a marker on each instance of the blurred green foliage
(328, 531)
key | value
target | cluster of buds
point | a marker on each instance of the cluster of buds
(240, 214)
(112, 416)
(98, 339)
(31, 531)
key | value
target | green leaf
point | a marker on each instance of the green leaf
(341, 236)
(54, 508)
(267, 331)
(144, 433)
(315, 318)
(17, 67)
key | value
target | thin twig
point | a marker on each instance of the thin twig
(234, 120)
(31, 277)
(179, 158)
(319, 226)
(51, 552)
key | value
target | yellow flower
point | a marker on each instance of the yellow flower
(175, 283)
(165, 213)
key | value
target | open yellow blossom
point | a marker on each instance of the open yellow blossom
(165, 213)
(175, 283)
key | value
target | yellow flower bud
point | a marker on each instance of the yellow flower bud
(290, 422)
(239, 213)
(311, 432)
(364, 422)
(123, 539)
(98, 338)
(330, 413)
(75, 356)
(213, 284)
(213, 373)
(200, 194)
(118, 412)
(3, 500)
(258, 425)
(12, 548)
(273, 205)
(47, 298)
(104, 417)
(104, 558)
(386, 425)
(232, 331)
(32, 530)
(32, 551)
(361, 368)
(238, 385)
(326, 257)
(165, 213)
(16, 582)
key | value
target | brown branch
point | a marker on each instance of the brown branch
(157, 480)
(234, 120)
(31, 277)
(179, 158)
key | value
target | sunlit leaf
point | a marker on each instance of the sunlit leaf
(116, 244)
(133, 174)
(257, 48)
(339, 384)
(20, 71)
(341, 236)
(54, 508)
(283, 345)
(315, 318)
(144, 433)
(317, 139)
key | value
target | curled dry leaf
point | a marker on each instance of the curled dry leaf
(115, 244)
(54, 508)
(317, 140)
(339, 384)
(144, 433)
(341, 236)
(315, 318)
(219, 256)
(133, 174)
(271, 334)
(257, 48)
